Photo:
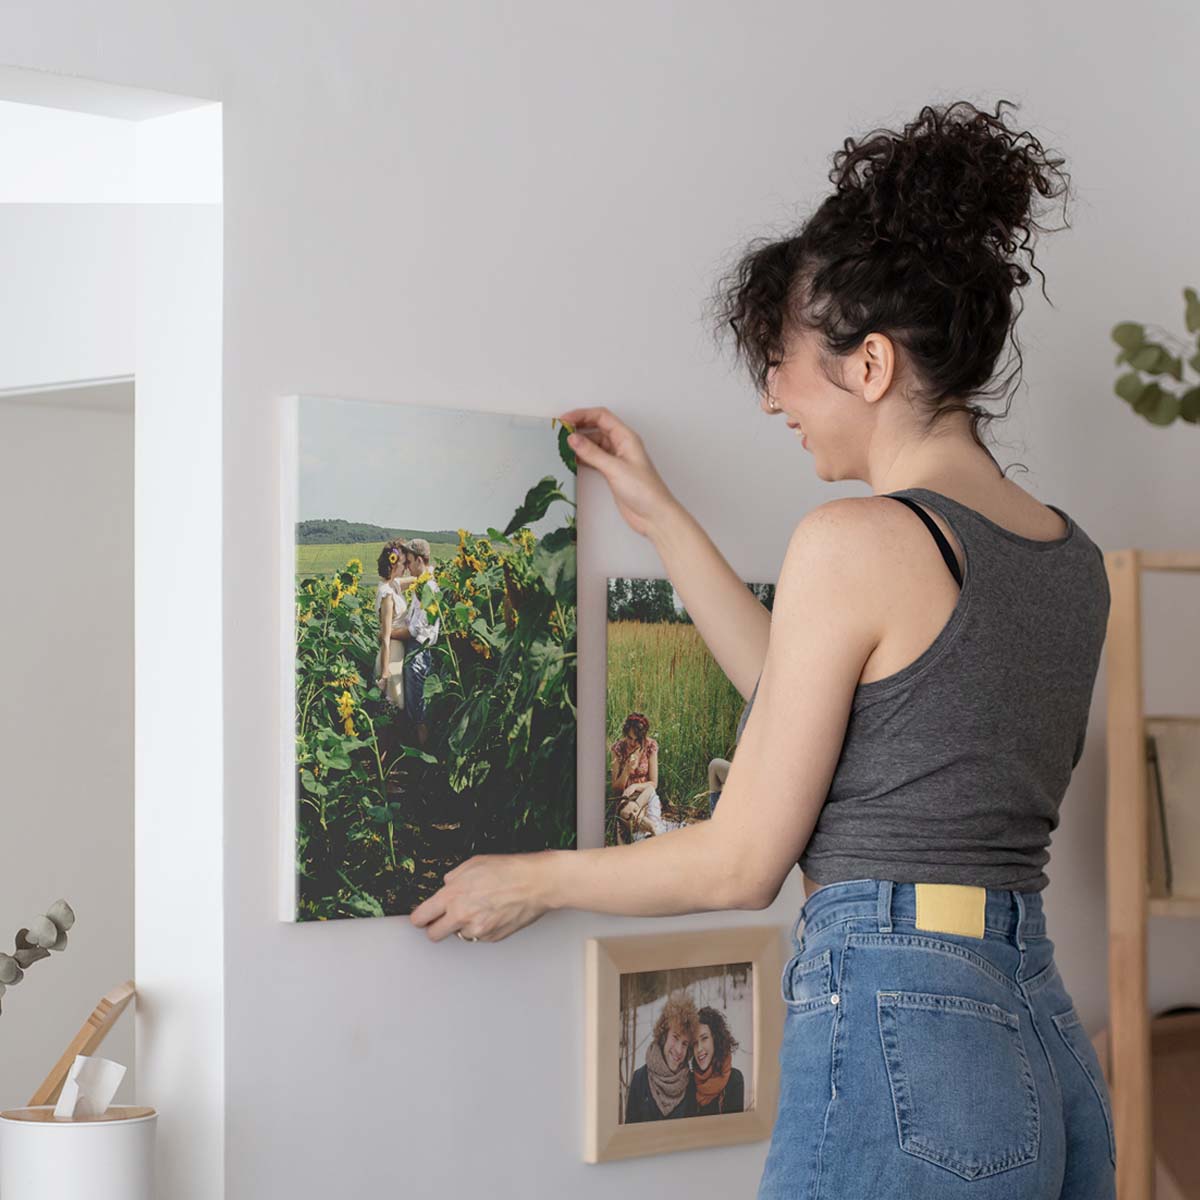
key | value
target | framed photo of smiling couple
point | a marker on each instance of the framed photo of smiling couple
(682, 1040)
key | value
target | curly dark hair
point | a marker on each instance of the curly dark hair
(918, 241)
(724, 1043)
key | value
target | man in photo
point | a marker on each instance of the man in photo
(423, 631)
(664, 1088)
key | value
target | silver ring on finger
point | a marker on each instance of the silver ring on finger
(465, 937)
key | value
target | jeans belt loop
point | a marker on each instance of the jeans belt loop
(796, 927)
(885, 906)
(1020, 921)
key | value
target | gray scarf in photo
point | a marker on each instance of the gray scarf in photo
(666, 1086)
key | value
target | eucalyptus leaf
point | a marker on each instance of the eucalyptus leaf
(1165, 411)
(1147, 402)
(43, 932)
(61, 913)
(1129, 335)
(1191, 312)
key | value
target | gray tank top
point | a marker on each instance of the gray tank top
(952, 769)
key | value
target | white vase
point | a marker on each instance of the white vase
(111, 1157)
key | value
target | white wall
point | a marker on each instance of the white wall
(521, 207)
(67, 305)
(66, 716)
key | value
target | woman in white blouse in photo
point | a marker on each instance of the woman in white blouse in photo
(391, 607)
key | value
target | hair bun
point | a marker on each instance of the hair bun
(954, 183)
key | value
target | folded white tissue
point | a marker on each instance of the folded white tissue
(89, 1087)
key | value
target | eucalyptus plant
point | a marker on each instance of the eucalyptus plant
(45, 933)
(1148, 397)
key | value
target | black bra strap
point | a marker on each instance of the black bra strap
(938, 535)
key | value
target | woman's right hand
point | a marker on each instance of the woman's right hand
(619, 455)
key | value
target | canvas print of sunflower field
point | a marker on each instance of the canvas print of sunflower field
(429, 650)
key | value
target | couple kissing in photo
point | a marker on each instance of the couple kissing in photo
(406, 632)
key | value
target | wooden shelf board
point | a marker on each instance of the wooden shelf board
(1174, 906)
(1169, 560)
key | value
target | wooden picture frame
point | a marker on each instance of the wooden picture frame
(607, 959)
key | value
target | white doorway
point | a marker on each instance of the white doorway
(110, 474)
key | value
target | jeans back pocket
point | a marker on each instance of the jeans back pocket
(962, 1088)
(807, 981)
(1080, 1045)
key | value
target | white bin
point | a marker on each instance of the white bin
(110, 1157)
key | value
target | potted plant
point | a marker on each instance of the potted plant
(1149, 397)
(45, 933)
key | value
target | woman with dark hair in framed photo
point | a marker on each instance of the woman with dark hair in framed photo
(635, 777)
(720, 1086)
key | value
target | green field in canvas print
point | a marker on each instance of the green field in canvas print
(382, 813)
(659, 668)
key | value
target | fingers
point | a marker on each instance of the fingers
(434, 916)
(429, 910)
(591, 453)
(614, 434)
(444, 928)
(598, 416)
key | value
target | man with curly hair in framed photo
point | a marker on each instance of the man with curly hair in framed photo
(663, 1088)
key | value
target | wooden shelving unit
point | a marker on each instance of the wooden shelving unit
(1127, 848)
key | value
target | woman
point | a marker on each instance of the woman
(720, 1086)
(918, 699)
(662, 1088)
(635, 777)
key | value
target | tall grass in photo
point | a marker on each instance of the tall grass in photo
(663, 668)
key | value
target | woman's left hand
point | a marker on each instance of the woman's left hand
(488, 897)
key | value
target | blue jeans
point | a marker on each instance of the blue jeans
(924, 1065)
(417, 665)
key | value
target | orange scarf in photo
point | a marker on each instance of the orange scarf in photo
(711, 1083)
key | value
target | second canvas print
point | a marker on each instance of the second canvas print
(671, 713)
(430, 648)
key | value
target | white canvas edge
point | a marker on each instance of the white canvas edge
(289, 445)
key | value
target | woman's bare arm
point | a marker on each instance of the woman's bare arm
(734, 624)
(783, 765)
(828, 614)
(385, 636)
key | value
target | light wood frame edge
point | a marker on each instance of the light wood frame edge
(606, 960)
